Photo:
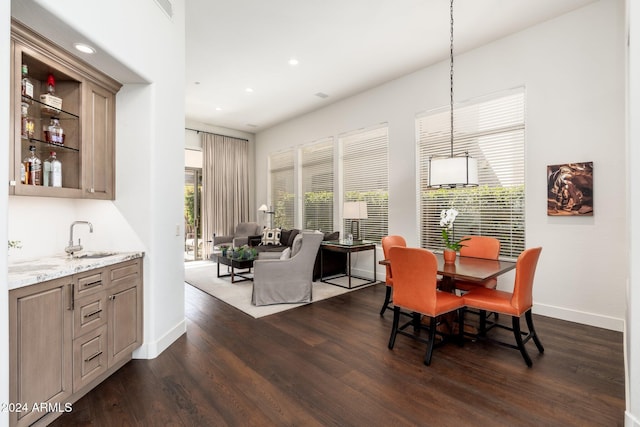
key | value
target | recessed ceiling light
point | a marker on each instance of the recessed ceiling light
(84, 48)
(293, 61)
(218, 108)
(196, 83)
(248, 90)
(322, 95)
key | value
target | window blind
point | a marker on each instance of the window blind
(491, 130)
(365, 159)
(282, 179)
(317, 185)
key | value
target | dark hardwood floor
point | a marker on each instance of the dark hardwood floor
(327, 364)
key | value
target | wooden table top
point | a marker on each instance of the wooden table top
(470, 269)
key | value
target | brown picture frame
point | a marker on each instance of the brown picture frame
(570, 189)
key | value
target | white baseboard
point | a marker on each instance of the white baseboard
(591, 319)
(152, 349)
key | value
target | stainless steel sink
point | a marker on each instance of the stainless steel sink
(93, 255)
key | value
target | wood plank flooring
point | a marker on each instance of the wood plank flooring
(327, 364)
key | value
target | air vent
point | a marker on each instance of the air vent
(166, 6)
(322, 95)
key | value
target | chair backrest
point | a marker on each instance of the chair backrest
(481, 247)
(522, 298)
(387, 243)
(414, 278)
(244, 229)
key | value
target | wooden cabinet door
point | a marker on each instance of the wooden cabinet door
(40, 318)
(125, 310)
(123, 319)
(98, 142)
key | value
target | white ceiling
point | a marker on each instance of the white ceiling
(343, 47)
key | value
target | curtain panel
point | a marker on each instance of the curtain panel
(225, 185)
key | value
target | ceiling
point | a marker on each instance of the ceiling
(343, 48)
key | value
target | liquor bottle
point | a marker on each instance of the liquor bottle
(54, 133)
(28, 125)
(27, 85)
(53, 104)
(52, 171)
(32, 168)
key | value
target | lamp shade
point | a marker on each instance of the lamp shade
(355, 210)
(452, 172)
(263, 208)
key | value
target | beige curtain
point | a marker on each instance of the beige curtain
(225, 184)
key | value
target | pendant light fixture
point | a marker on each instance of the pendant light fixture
(455, 170)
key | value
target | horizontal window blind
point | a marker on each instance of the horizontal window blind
(491, 130)
(317, 185)
(282, 178)
(365, 159)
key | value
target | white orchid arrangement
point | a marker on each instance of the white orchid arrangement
(447, 218)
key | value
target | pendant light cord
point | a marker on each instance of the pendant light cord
(451, 76)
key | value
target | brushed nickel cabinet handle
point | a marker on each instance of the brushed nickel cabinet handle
(88, 285)
(92, 314)
(90, 358)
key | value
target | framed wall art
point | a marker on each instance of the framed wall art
(570, 189)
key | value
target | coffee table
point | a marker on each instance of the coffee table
(233, 264)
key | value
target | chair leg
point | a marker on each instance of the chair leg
(461, 326)
(394, 326)
(432, 338)
(533, 332)
(417, 322)
(387, 300)
(515, 321)
(483, 323)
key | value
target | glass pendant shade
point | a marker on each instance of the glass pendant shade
(451, 172)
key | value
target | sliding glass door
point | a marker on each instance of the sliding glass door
(193, 242)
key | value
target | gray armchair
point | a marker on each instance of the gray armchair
(240, 236)
(277, 281)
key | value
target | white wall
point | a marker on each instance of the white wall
(573, 70)
(632, 332)
(149, 153)
(5, 28)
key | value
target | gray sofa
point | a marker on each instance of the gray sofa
(277, 281)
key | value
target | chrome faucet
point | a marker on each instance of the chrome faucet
(76, 248)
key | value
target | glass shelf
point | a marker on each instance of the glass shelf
(41, 143)
(61, 114)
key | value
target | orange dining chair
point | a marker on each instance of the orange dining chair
(513, 304)
(387, 243)
(479, 247)
(414, 289)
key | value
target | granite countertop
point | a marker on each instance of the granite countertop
(29, 272)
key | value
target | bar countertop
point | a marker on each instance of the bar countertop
(30, 272)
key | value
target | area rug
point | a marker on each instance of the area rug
(202, 275)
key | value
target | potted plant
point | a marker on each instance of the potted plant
(452, 246)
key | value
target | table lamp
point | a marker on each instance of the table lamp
(355, 211)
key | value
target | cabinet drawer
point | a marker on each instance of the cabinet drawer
(89, 357)
(90, 283)
(128, 272)
(90, 312)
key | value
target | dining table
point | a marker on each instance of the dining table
(468, 269)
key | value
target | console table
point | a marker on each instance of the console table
(344, 246)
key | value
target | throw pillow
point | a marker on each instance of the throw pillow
(284, 237)
(286, 254)
(297, 244)
(294, 233)
(271, 236)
